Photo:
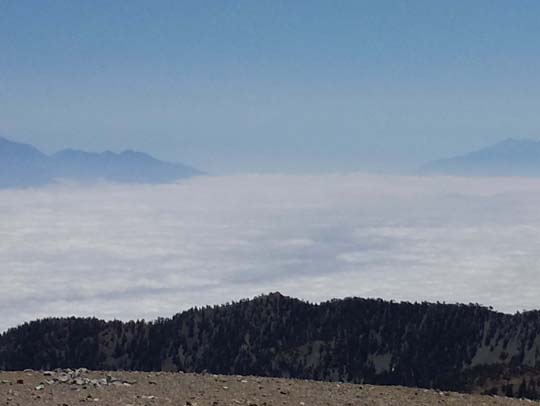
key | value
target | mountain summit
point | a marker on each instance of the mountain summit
(511, 157)
(23, 165)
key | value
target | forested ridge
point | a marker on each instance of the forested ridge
(446, 346)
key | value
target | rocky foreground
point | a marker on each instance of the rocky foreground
(73, 387)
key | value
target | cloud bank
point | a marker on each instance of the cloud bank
(132, 252)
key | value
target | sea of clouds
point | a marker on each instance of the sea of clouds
(139, 251)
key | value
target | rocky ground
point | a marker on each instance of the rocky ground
(74, 387)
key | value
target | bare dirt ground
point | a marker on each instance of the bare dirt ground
(180, 389)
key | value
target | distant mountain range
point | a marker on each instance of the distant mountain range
(511, 157)
(434, 345)
(23, 165)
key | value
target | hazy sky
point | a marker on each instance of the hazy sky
(271, 85)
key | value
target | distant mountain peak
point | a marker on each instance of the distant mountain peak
(18, 150)
(509, 157)
(25, 165)
(515, 143)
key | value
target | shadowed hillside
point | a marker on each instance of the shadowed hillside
(454, 347)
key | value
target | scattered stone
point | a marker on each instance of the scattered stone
(63, 378)
(77, 378)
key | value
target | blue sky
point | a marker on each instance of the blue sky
(287, 86)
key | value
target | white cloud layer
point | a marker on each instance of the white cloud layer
(145, 251)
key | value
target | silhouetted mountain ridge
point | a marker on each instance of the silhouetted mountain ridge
(511, 157)
(23, 165)
(447, 346)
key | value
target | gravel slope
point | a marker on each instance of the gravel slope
(142, 388)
